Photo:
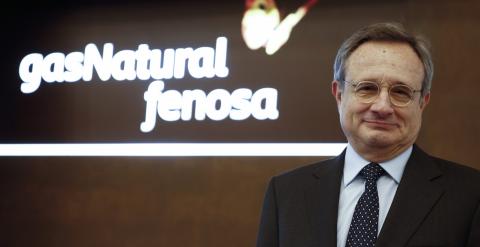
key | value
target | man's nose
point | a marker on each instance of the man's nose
(382, 105)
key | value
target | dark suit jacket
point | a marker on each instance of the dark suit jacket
(437, 203)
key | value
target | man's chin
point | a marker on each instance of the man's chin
(380, 140)
(380, 144)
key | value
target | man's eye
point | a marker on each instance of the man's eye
(401, 91)
(367, 88)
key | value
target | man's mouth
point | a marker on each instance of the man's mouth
(382, 124)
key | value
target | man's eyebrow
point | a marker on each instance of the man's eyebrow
(398, 82)
(372, 79)
(383, 81)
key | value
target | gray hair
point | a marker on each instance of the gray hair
(384, 32)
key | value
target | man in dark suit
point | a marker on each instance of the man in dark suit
(383, 190)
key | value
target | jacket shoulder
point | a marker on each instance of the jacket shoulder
(307, 174)
(301, 171)
(460, 173)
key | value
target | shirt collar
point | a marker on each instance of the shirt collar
(354, 163)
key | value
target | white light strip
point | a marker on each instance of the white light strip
(174, 149)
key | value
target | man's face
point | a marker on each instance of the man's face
(381, 126)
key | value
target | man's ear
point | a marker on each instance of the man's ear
(424, 101)
(336, 91)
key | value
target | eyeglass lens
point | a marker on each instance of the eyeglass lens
(400, 95)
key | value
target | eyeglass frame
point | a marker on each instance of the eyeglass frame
(379, 86)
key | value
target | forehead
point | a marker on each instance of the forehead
(385, 61)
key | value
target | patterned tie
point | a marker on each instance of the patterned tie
(364, 227)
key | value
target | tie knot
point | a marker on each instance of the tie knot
(372, 172)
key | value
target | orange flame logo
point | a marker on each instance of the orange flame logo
(263, 27)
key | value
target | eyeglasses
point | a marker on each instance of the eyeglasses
(367, 92)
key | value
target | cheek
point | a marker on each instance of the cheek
(412, 119)
(416, 120)
(352, 113)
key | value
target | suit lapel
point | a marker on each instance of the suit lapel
(416, 195)
(322, 201)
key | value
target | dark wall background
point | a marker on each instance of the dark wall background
(208, 201)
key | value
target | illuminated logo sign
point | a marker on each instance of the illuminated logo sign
(146, 64)
(262, 27)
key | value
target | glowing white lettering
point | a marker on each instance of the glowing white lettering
(142, 64)
(73, 66)
(52, 68)
(30, 73)
(162, 69)
(219, 104)
(102, 64)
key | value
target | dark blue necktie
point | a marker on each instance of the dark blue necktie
(364, 227)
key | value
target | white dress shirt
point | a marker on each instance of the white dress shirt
(352, 187)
